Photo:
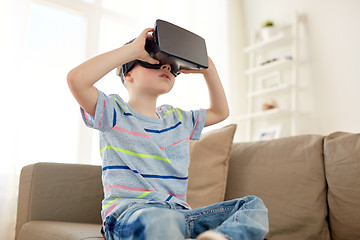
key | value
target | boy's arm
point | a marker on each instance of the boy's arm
(81, 79)
(219, 109)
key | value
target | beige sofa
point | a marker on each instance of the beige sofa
(310, 184)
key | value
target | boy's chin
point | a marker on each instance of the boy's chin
(164, 90)
(159, 91)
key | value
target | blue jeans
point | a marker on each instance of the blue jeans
(243, 218)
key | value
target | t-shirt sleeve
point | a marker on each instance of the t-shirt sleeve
(194, 122)
(107, 113)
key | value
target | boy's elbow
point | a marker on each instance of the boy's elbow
(221, 116)
(225, 112)
(215, 117)
(71, 80)
(70, 77)
(225, 115)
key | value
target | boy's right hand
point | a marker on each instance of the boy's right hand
(82, 78)
(139, 47)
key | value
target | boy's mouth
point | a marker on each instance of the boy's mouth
(164, 75)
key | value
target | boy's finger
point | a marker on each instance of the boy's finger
(147, 30)
(155, 61)
(152, 60)
(189, 71)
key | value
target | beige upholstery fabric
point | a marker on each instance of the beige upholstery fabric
(288, 175)
(342, 168)
(59, 192)
(48, 230)
(208, 167)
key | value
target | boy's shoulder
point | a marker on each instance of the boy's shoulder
(166, 110)
(164, 107)
(115, 97)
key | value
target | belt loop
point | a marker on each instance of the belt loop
(171, 205)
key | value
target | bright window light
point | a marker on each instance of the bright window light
(48, 119)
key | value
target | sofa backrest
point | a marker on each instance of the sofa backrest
(288, 175)
(59, 192)
(342, 169)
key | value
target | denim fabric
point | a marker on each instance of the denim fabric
(243, 218)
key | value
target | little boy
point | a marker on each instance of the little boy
(145, 152)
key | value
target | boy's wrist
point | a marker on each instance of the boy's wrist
(210, 73)
(130, 52)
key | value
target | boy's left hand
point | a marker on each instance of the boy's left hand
(219, 109)
(203, 71)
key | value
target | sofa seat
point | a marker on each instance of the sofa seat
(51, 230)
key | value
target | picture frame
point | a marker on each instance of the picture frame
(268, 133)
(270, 80)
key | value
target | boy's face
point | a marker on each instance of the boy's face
(152, 81)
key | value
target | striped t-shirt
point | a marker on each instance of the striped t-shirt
(143, 158)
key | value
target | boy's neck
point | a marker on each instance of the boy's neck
(144, 105)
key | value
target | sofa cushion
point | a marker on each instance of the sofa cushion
(288, 175)
(209, 166)
(342, 168)
(49, 230)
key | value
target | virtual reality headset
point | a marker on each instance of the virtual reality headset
(171, 44)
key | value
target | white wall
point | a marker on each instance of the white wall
(332, 38)
(237, 62)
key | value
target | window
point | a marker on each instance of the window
(47, 123)
(59, 35)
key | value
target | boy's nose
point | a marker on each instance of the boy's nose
(166, 67)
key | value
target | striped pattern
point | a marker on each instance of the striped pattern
(144, 175)
(86, 117)
(127, 188)
(123, 112)
(177, 195)
(102, 115)
(141, 155)
(197, 122)
(180, 116)
(131, 133)
(163, 130)
(166, 113)
(136, 166)
(114, 118)
(112, 204)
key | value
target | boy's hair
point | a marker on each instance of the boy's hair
(125, 68)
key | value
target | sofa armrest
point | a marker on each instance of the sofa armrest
(59, 192)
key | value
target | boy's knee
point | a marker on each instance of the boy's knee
(255, 202)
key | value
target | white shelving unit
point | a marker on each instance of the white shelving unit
(276, 60)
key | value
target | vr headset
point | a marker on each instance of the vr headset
(172, 45)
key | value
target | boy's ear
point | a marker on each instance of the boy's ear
(128, 77)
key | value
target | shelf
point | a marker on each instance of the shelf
(270, 90)
(266, 113)
(277, 64)
(261, 45)
(273, 73)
